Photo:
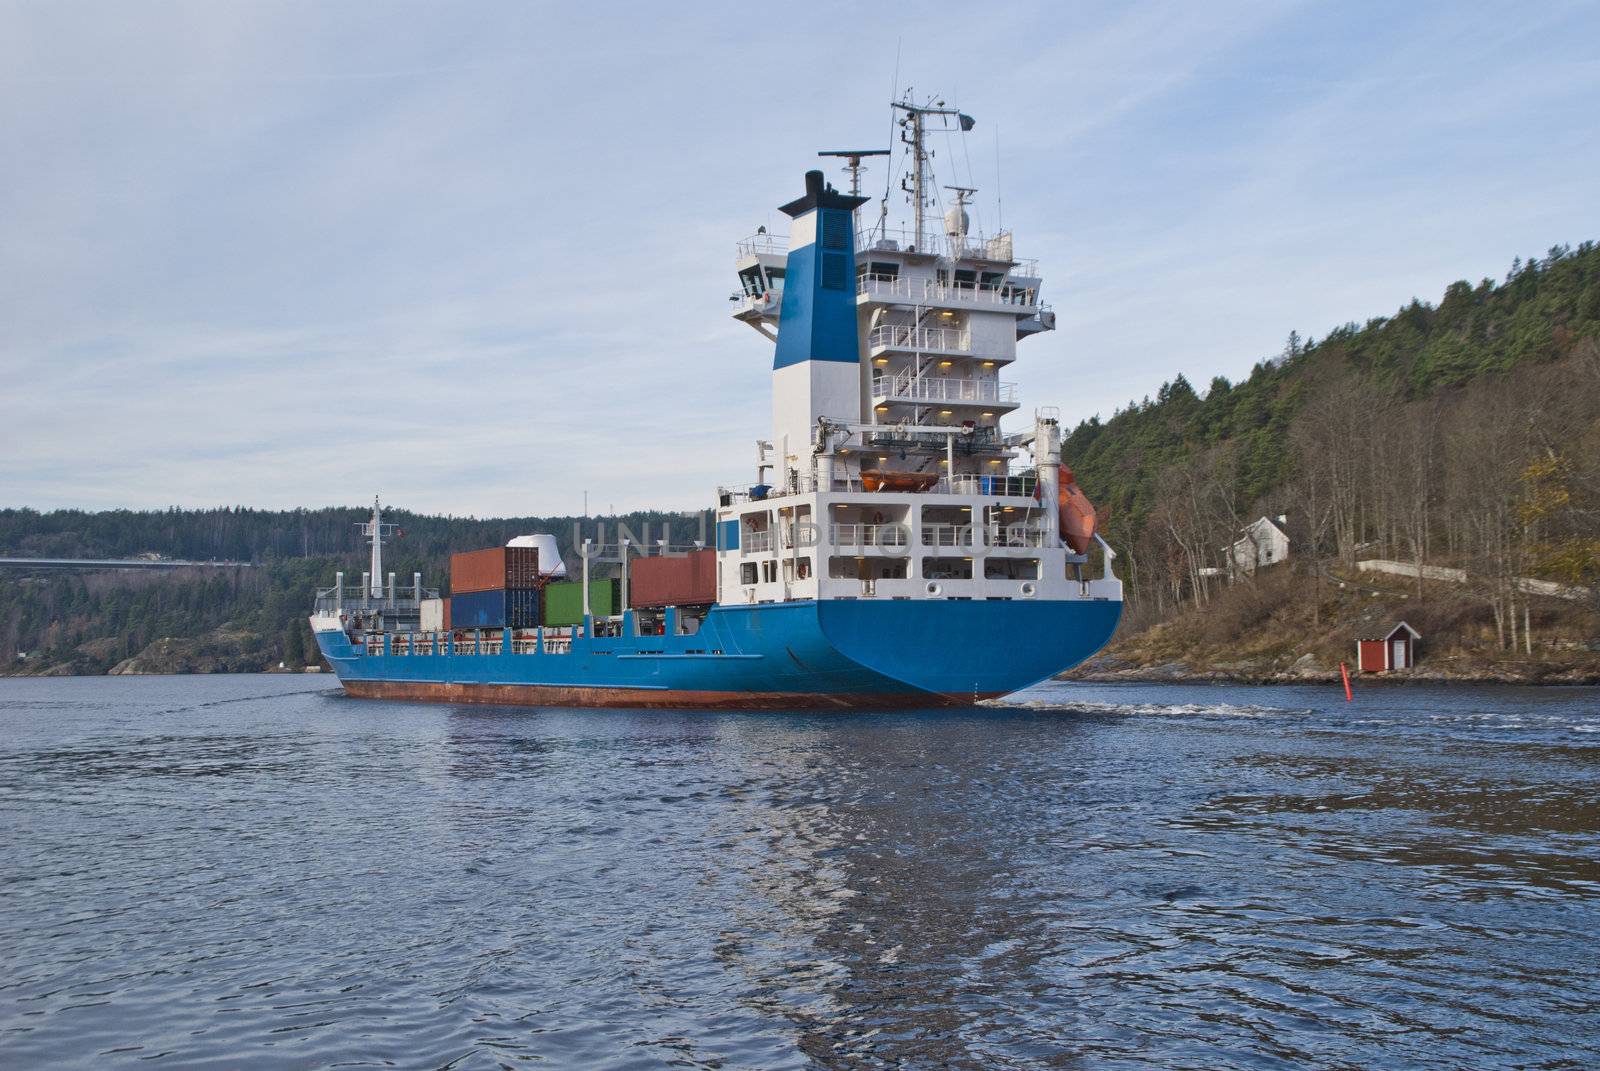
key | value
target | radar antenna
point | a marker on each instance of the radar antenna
(854, 164)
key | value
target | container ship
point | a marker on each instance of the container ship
(893, 548)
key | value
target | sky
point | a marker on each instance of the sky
(476, 256)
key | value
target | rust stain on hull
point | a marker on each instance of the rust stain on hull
(548, 695)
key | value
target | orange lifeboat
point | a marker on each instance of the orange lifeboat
(879, 480)
(1076, 513)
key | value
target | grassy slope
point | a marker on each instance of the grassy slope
(1264, 630)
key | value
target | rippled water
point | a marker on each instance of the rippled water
(259, 872)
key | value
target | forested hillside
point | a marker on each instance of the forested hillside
(232, 618)
(1465, 433)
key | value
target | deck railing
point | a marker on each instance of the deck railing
(987, 485)
(997, 248)
(944, 389)
(907, 337)
(757, 244)
(867, 535)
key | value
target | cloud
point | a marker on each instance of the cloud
(476, 258)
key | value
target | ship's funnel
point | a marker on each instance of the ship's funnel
(816, 365)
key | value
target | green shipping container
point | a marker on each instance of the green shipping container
(563, 601)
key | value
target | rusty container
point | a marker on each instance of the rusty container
(673, 580)
(494, 569)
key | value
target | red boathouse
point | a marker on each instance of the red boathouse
(1397, 650)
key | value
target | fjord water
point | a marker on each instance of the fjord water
(259, 872)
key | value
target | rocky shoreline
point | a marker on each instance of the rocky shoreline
(1112, 669)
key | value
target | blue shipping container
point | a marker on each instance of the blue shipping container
(506, 608)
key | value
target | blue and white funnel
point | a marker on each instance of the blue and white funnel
(816, 367)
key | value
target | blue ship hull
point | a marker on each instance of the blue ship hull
(839, 654)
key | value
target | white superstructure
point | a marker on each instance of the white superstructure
(888, 474)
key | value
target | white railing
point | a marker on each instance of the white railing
(906, 337)
(930, 292)
(805, 483)
(972, 294)
(756, 542)
(884, 287)
(867, 535)
(944, 389)
(987, 485)
(995, 535)
(1016, 535)
(949, 535)
(977, 247)
(757, 244)
(901, 240)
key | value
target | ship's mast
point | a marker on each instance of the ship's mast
(913, 132)
(375, 530)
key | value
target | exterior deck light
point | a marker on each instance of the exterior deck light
(945, 364)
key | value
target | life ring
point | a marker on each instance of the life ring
(934, 588)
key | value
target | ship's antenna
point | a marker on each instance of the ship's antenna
(999, 202)
(854, 165)
(914, 133)
(888, 174)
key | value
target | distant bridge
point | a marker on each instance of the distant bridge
(116, 563)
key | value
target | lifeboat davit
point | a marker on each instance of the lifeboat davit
(1076, 512)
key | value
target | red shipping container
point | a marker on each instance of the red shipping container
(675, 580)
(493, 569)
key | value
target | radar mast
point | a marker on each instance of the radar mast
(913, 132)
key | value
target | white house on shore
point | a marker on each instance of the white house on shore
(1261, 543)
